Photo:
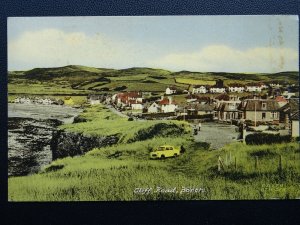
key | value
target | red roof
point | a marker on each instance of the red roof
(280, 99)
(166, 101)
(129, 94)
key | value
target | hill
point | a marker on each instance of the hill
(75, 79)
(114, 172)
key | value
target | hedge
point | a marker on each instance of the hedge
(264, 138)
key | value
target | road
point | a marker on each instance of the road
(217, 134)
(116, 111)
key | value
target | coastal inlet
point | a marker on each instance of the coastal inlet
(30, 131)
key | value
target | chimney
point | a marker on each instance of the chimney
(162, 97)
(170, 100)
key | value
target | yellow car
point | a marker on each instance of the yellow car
(164, 151)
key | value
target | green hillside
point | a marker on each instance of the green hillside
(114, 172)
(74, 79)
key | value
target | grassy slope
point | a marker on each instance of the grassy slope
(112, 173)
(97, 176)
(83, 80)
(101, 121)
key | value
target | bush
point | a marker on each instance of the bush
(264, 138)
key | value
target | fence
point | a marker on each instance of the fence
(229, 163)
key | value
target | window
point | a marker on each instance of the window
(263, 115)
(274, 115)
(264, 105)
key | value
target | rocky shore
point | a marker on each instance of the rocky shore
(29, 144)
(34, 140)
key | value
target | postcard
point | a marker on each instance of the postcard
(153, 108)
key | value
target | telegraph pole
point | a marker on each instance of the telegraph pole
(254, 113)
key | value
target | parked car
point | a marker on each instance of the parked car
(165, 151)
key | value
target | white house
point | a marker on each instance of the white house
(47, 101)
(94, 101)
(167, 105)
(137, 106)
(236, 88)
(275, 85)
(127, 98)
(263, 86)
(25, 100)
(253, 87)
(214, 89)
(199, 89)
(17, 100)
(170, 90)
(154, 108)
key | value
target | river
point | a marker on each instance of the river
(30, 129)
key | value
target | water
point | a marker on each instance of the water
(30, 129)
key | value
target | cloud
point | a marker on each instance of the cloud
(222, 58)
(53, 47)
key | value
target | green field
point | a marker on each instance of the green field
(115, 172)
(97, 176)
(73, 80)
(102, 122)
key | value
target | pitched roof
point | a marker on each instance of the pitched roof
(217, 86)
(166, 101)
(172, 88)
(256, 104)
(132, 94)
(201, 107)
(294, 104)
(295, 115)
(280, 99)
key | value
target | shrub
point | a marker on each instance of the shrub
(264, 138)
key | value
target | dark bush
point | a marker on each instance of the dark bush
(79, 119)
(54, 168)
(158, 130)
(263, 153)
(264, 138)
(120, 88)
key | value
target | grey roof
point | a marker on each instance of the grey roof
(225, 106)
(294, 104)
(201, 107)
(256, 104)
(295, 115)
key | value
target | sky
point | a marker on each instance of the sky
(264, 44)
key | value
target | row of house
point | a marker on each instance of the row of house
(38, 100)
(136, 102)
(223, 107)
(219, 87)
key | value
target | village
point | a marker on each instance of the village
(254, 107)
(266, 108)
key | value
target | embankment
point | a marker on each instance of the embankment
(65, 143)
